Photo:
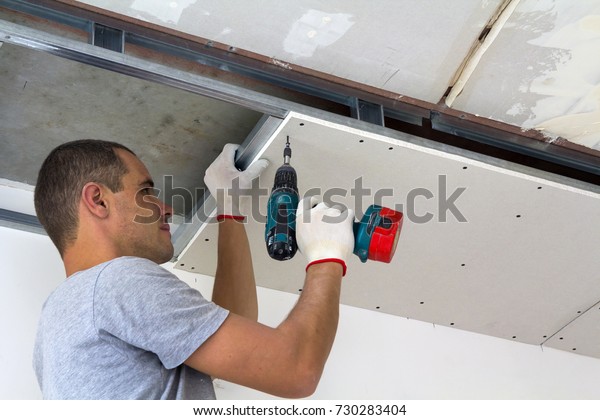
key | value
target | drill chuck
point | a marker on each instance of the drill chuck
(286, 179)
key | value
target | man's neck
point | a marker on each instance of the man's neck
(79, 258)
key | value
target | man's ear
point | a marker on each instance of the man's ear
(93, 197)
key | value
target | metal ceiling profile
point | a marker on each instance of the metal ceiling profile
(17, 220)
(106, 59)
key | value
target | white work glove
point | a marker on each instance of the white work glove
(324, 234)
(230, 186)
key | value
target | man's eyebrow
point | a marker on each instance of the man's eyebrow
(147, 183)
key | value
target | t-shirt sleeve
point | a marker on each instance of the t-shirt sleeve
(146, 306)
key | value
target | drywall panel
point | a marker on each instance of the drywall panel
(542, 71)
(410, 47)
(580, 336)
(484, 248)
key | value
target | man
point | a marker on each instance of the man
(122, 327)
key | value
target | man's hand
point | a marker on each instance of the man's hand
(235, 287)
(230, 186)
(324, 234)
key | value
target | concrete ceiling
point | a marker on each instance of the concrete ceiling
(47, 100)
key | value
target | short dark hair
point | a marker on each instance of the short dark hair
(61, 179)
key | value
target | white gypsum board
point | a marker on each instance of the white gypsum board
(521, 265)
(581, 336)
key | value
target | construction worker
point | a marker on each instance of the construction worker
(122, 327)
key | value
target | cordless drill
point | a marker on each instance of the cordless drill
(280, 232)
(375, 235)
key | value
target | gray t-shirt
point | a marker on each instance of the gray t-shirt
(121, 330)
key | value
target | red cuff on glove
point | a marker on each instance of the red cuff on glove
(230, 216)
(336, 260)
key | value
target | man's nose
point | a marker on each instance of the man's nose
(165, 209)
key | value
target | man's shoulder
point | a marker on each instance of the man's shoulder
(120, 263)
(132, 268)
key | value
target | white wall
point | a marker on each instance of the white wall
(375, 356)
(378, 356)
(31, 269)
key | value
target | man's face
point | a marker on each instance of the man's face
(142, 228)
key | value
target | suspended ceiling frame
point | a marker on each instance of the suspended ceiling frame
(553, 157)
(495, 134)
(364, 102)
(273, 108)
(276, 109)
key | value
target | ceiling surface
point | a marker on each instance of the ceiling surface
(513, 258)
(522, 265)
(371, 43)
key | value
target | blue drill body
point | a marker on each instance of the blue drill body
(280, 231)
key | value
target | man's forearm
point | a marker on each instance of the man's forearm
(235, 287)
(314, 319)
